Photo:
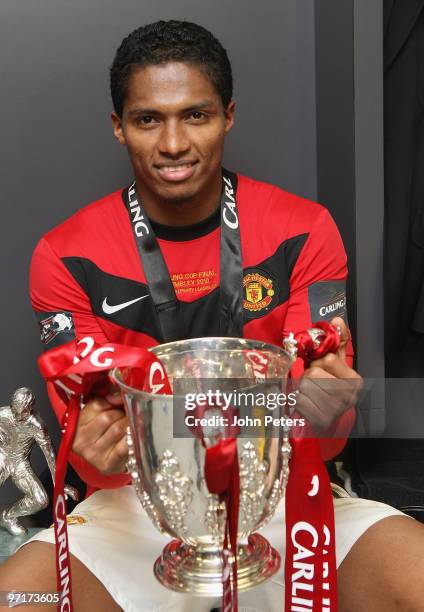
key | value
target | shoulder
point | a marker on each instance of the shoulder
(36, 423)
(87, 225)
(6, 413)
(279, 216)
(287, 207)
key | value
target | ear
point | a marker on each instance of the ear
(229, 116)
(117, 128)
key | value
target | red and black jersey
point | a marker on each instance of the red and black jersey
(87, 279)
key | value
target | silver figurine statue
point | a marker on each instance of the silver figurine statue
(20, 428)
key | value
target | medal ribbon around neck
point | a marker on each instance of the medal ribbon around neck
(160, 285)
(221, 461)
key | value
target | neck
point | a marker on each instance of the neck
(179, 213)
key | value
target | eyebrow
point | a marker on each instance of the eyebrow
(151, 111)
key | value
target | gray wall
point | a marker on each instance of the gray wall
(349, 94)
(335, 126)
(349, 75)
(369, 184)
(56, 148)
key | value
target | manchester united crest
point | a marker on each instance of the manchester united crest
(258, 292)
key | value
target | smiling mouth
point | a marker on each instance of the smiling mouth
(176, 172)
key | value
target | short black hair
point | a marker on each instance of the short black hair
(170, 41)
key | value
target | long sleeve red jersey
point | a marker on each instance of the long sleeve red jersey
(87, 279)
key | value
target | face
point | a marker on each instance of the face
(22, 407)
(173, 125)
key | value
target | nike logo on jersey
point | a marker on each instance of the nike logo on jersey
(108, 309)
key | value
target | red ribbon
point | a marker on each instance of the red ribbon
(310, 570)
(328, 342)
(222, 478)
(63, 565)
(76, 374)
(310, 564)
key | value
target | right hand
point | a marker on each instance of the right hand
(100, 437)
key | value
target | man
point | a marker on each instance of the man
(172, 93)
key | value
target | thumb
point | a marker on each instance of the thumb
(345, 336)
(114, 396)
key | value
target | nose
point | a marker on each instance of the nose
(174, 141)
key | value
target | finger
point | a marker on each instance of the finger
(111, 437)
(321, 378)
(329, 406)
(341, 392)
(118, 456)
(335, 365)
(92, 408)
(313, 415)
(345, 335)
(88, 433)
(114, 397)
(97, 453)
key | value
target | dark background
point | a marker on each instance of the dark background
(294, 64)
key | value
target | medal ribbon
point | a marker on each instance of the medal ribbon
(230, 323)
(74, 374)
(310, 564)
(162, 292)
(222, 478)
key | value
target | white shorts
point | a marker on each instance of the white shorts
(116, 541)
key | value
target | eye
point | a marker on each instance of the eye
(197, 115)
(145, 120)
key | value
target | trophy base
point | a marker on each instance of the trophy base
(198, 569)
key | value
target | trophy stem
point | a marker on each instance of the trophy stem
(198, 570)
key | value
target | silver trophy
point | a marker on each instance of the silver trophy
(20, 428)
(168, 471)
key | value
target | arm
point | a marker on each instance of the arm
(42, 438)
(317, 286)
(54, 291)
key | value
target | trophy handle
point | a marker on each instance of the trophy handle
(291, 345)
(299, 346)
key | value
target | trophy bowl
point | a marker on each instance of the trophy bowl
(168, 471)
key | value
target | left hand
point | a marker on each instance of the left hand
(322, 400)
(71, 492)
